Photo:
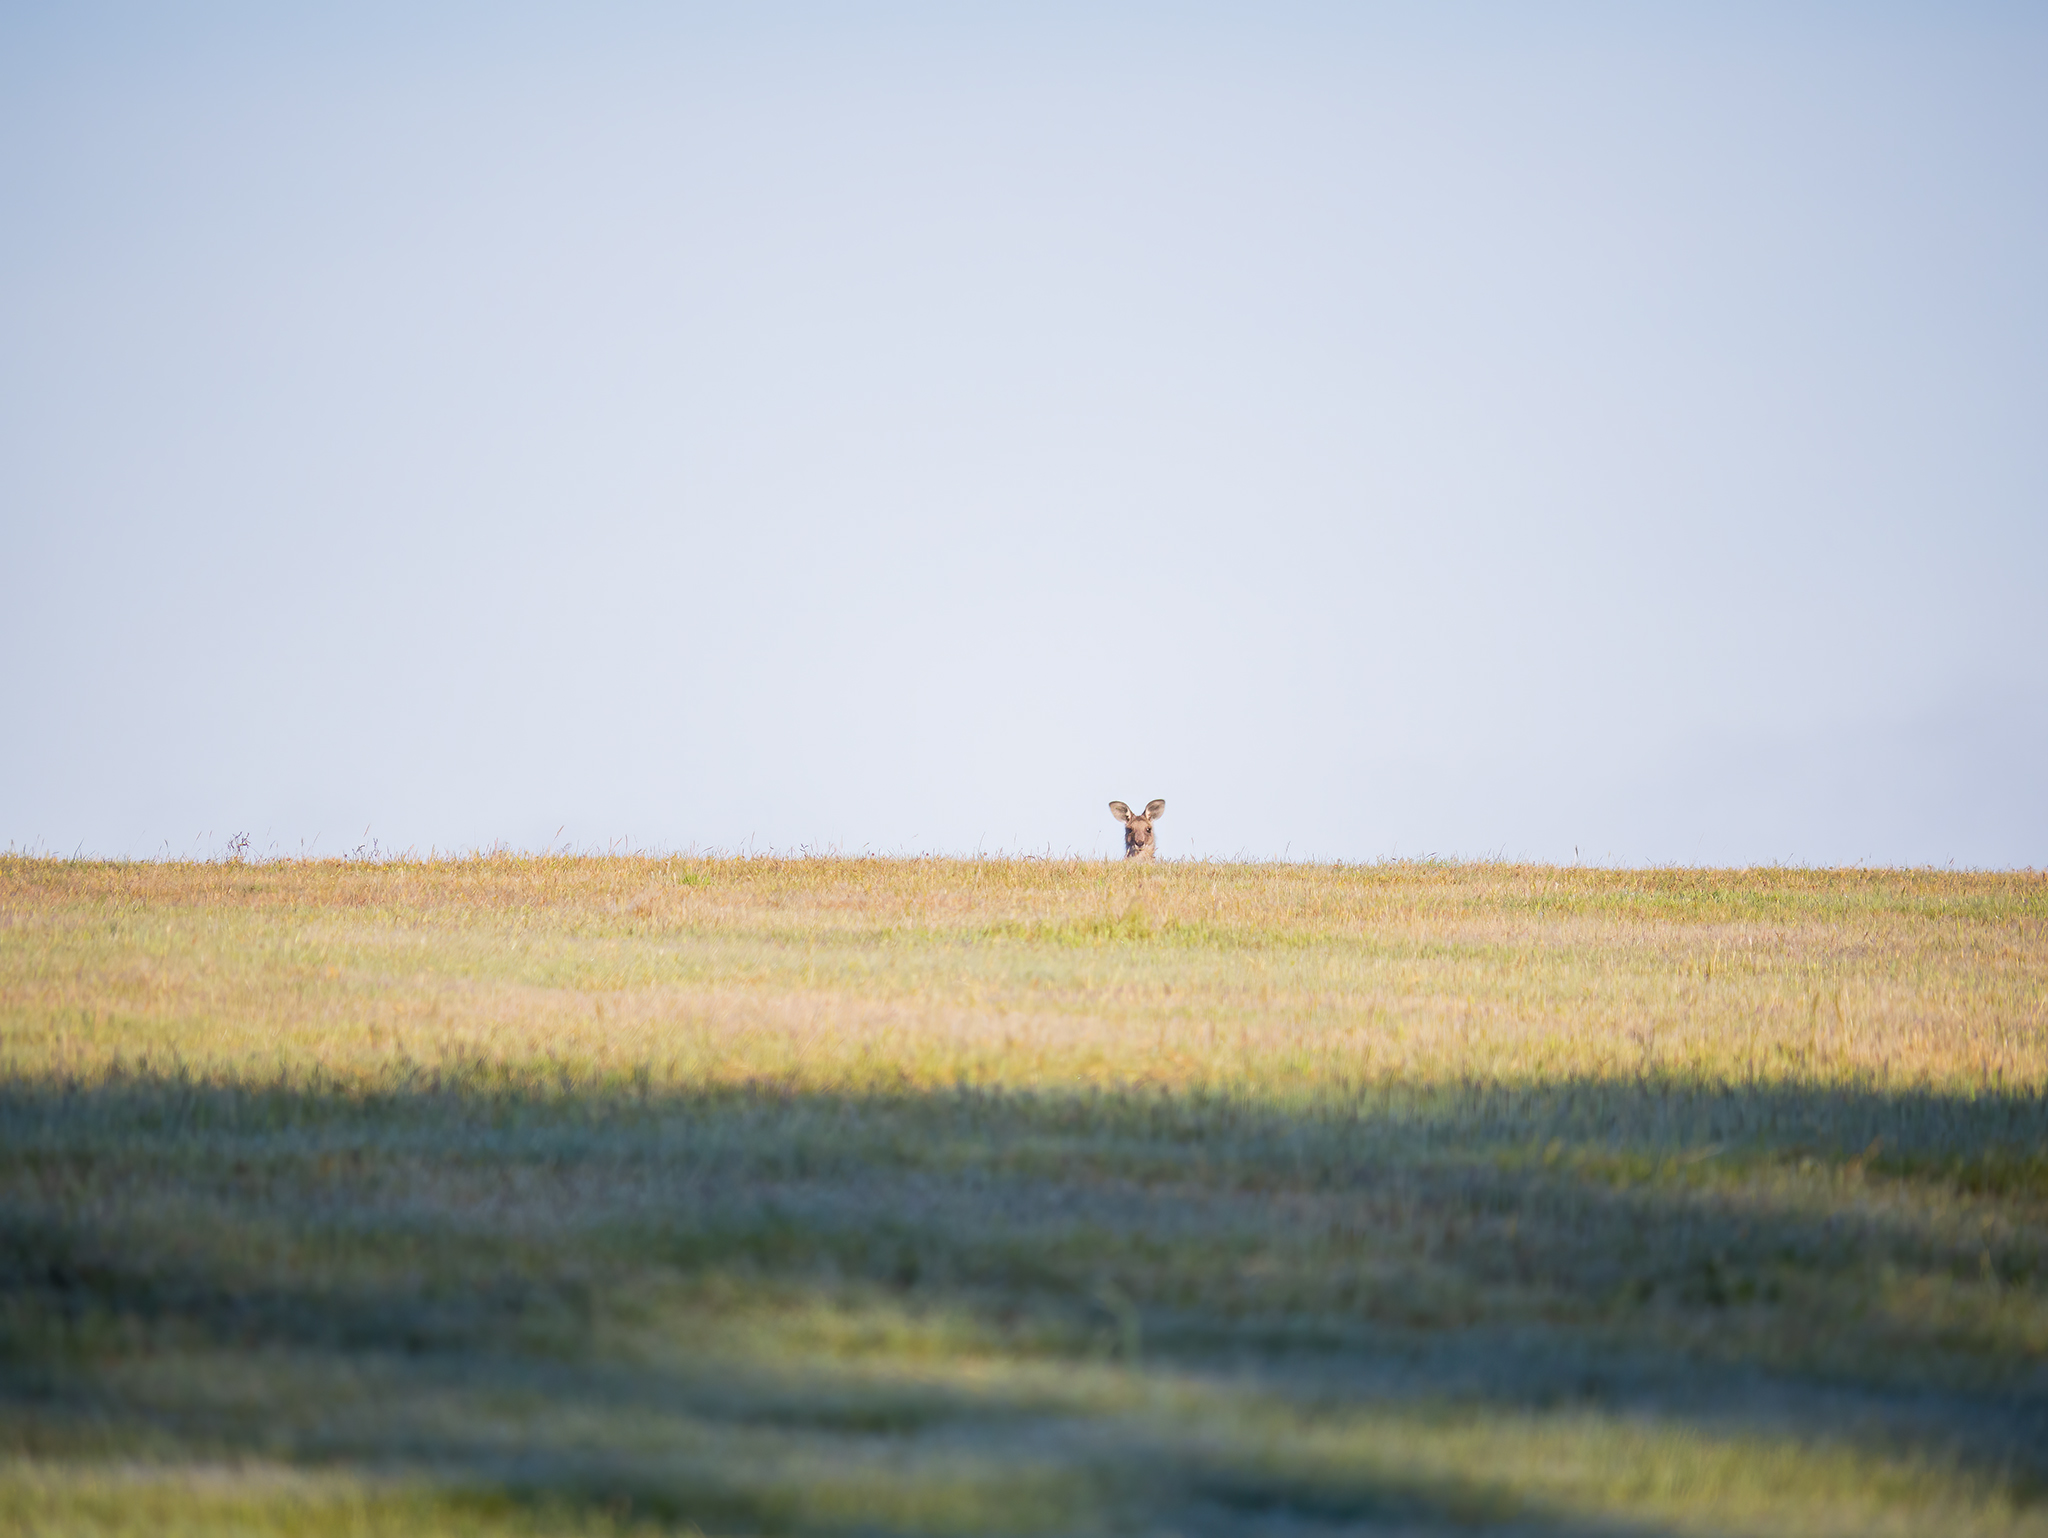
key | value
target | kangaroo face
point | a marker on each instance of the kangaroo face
(1137, 827)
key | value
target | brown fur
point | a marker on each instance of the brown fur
(1138, 827)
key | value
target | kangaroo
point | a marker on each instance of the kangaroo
(1138, 827)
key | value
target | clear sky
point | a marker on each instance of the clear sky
(1598, 431)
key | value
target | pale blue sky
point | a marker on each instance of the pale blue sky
(1380, 431)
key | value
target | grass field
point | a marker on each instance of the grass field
(851, 1196)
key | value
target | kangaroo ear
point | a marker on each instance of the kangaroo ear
(1119, 811)
(1154, 809)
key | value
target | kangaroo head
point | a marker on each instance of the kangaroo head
(1137, 827)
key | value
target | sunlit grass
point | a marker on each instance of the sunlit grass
(576, 1195)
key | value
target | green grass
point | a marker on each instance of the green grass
(619, 1195)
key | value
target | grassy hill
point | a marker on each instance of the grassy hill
(836, 1196)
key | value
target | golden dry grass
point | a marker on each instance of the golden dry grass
(958, 1196)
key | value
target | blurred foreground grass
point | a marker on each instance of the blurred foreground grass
(608, 1195)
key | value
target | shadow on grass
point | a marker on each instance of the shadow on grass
(765, 1309)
